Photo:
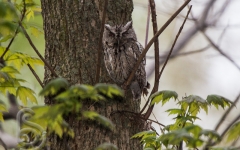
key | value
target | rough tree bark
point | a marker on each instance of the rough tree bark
(72, 29)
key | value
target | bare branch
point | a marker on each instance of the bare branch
(224, 116)
(147, 25)
(201, 25)
(225, 130)
(227, 112)
(220, 51)
(3, 144)
(149, 111)
(151, 42)
(184, 53)
(17, 30)
(156, 46)
(99, 58)
(36, 76)
(156, 50)
(36, 50)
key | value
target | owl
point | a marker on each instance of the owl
(121, 52)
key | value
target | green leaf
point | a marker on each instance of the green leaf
(211, 134)
(2, 109)
(25, 94)
(97, 117)
(184, 119)
(193, 104)
(80, 91)
(163, 96)
(18, 59)
(191, 98)
(29, 14)
(10, 70)
(107, 146)
(51, 118)
(175, 111)
(144, 133)
(216, 100)
(35, 31)
(108, 90)
(6, 38)
(149, 148)
(54, 86)
(194, 129)
(2, 106)
(234, 132)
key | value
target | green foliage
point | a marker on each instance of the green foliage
(2, 109)
(101, 119)
(51, 118)
(184, 129)
(67, 97)
(54, 87)
(217, 100)
(191, 135)
(8, 75)
(234, 132)
(106, 146)
(163, 96)
(149, 139)
(68, 101)
(110, 90)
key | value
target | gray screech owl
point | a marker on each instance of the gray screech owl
(121, 52)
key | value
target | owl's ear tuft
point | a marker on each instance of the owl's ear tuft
(107, 26)
(128, 25)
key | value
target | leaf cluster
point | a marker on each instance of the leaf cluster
(184, 129)
(9, 82)
(68, 100)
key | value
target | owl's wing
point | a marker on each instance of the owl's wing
(140, 75)
(140, 49)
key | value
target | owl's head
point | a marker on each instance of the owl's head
(119, 33)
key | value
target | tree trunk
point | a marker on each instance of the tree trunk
(72, 32)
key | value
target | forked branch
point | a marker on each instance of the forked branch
(127, 83)
(149, 111)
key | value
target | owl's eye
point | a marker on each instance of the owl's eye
(124, 33)
(110, 34)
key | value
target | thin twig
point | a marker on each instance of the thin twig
(36, 50)
(147, 25)
(151, 42)
(225, 131)
(156, 46)
(99, 58)
(224, 117)
(10, 43)
(16, 31)
(149, 111)
(3, 144)
(36, 76)
(220, 51)
(156, 50)
(137, 115)
(192, 31)
(184, 53)
(227, 112)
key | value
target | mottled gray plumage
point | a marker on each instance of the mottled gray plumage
(121, 52)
